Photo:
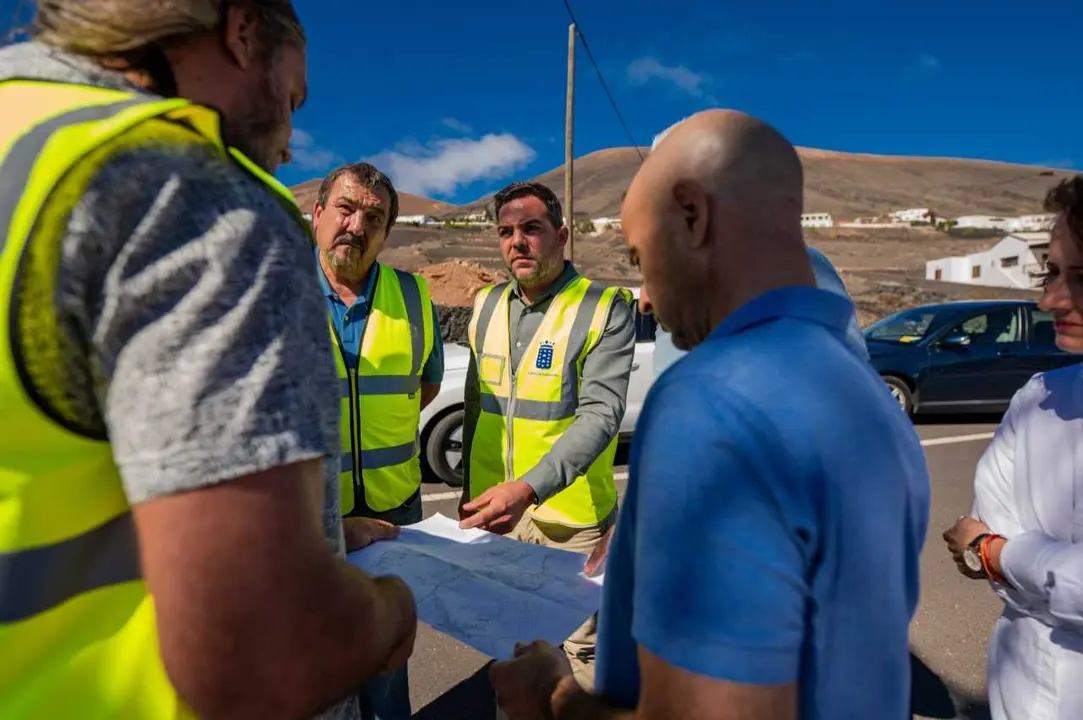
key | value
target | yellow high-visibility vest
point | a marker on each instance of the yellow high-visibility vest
(77, 626)
(525, 410)
(381, 400)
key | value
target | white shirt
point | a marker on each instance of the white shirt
(1029, 488)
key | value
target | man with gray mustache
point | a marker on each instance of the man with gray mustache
(390, 362)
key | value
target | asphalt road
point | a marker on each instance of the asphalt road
(448, 680)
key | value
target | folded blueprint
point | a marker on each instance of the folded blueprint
(483, 589)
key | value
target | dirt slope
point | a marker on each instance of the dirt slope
(844, 184)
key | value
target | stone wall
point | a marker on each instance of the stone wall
(454, 323)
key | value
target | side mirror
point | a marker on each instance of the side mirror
(955, 340)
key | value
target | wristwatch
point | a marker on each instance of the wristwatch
(972, 555)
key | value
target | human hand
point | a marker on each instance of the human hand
(499, 509)
(596, 561)
(362, 532)
(402, 610)
(525, 686)
(958, 537)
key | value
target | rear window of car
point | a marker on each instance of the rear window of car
(907, 326)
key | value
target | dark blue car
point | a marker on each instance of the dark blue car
(963, 356)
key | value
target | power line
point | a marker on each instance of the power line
(601, 79)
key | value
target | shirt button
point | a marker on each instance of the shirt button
(518, 344)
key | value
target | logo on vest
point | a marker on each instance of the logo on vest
(544, 360)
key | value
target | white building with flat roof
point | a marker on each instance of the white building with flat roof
(983, 222)
(1032, 223)
(1010, 263)
(416, 220)
(817, 220)
(919, 215)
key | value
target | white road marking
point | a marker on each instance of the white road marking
(954, 439)
(950, 440)
(437, 497)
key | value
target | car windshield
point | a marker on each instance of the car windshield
(908, 326)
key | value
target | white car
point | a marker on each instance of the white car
(442, 420)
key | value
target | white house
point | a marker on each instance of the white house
(416, 220)
(867, 224)
(817, 220)
(1032, 223)
(1009, 263)
(983, 222)
(911, 215)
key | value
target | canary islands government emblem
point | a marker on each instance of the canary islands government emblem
(545, 356)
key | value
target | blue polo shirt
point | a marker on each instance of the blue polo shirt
(350, 324)
(776, 509)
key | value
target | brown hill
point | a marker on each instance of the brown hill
(408, 204)
(846, 185)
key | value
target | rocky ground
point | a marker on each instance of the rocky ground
(884, 270)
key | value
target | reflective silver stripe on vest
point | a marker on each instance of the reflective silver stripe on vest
(389, 456)
(388, 384)
(381, 385)
(569, 387)
(485, 315)
(38, 579)
(18, 165)
(380, 457)
(411, 295)
(529, 409)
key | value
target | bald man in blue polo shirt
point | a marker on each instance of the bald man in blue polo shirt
(765, 562)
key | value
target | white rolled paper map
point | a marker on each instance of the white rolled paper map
(485, 590)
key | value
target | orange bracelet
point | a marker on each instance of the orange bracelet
(987, 558)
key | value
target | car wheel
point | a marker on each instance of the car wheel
(900, 391)
(444, 448)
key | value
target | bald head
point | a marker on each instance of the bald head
(723, 191)
(737, 156)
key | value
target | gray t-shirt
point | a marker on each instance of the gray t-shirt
(192, 320)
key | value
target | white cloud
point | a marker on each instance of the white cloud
(645, 69)
(306, 154)
(929, 62)
(457, 126)
(442, 166)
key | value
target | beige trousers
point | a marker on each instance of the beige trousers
(579, 647)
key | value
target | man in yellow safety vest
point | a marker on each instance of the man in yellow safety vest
(390, 364)
(545, 392)
(166, 402)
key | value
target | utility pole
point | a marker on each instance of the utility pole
(569, 155)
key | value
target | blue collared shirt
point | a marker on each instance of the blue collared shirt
(827, 278)
(350, 325)
(776, 509)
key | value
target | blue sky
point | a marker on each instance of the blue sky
(456, 98)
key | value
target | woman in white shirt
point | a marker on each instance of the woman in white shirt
(1027, 538)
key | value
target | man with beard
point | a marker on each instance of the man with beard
(766, 561)
(390, 364)
(167, 404)
(545, 394)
